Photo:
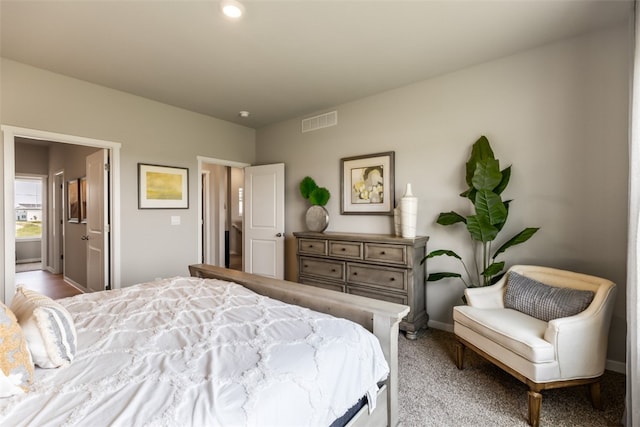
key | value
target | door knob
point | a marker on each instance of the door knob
(279, 235)
(84, 237)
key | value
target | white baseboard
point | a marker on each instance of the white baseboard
(440, 326)
(611, 365)
(75, 285)
(616, 366)
(28, 260)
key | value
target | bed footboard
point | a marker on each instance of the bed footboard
(380, 317)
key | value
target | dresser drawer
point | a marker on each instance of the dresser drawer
(325, 285)
(383, 252)
(322, 268)
(372, 293)
(312, 246)
(349, 250)
(387, 278)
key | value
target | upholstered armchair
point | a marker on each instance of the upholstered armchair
(546, 327)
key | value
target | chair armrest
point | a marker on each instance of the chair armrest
(580, 341)
(487, 296)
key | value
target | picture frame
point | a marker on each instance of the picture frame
(367, 184)
(162, 187)
(83, 199)
(73, 201)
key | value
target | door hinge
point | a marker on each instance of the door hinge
(107, 228)
(107, 167)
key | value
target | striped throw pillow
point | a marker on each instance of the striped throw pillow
(16, 367)
(542, 301)
(48, 326)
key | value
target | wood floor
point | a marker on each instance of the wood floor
(51, 285)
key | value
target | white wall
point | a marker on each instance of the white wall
(150, 132)
(557, 113)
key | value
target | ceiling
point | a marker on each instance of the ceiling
(284, 59)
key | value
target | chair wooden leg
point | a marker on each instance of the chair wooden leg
(535, 403)
(596, 399)
(459, 355)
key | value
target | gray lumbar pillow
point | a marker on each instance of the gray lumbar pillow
(542, 301)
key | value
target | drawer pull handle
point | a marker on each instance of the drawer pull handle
(333, 270)
(306, 266)
(343, 249)
(381, 252)
(393, 279)
(355, 273)
(310, 246)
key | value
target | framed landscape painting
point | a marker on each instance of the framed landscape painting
(367, 184)
(162, 187)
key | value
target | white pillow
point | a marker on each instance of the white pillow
(48, 327)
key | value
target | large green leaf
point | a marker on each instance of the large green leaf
(441, 252)
(487, 175)
(521, 237)
(481, 150)
(469, 193)
(437, 276)
(448, 218)
(489, 205)
(481, 229)
(499, 225)
(493, 269)
(506, 176)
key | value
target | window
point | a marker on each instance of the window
(28, 208)
(240, 201)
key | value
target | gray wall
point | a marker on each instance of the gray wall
(150, 132)
(558, 114)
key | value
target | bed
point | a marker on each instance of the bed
(223, 348)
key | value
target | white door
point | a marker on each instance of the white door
(97, 221)
(263, 250)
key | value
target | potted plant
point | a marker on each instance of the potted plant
(317, 217)
(489, 214)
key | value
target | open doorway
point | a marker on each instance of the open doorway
(10, 136)
(220, 206)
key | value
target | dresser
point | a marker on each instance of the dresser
(377, 266)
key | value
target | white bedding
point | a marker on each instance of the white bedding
(201, 352)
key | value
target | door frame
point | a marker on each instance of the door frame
(7, 288)
(56, 266)
(209, 160)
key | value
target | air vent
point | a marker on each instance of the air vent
(318, 122)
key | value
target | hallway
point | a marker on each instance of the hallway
(51, 285)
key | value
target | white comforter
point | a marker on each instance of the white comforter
(201, 352)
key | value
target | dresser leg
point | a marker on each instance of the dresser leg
(411, 335)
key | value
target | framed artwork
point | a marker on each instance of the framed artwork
(367, 184)
(83, 199)
(73, 202)
(162, 187)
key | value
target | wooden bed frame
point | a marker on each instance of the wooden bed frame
(380, 317)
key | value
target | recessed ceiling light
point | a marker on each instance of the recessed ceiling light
(232, 9)
(243, 114)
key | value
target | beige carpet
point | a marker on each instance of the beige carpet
(433, 392)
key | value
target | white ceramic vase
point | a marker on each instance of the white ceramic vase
(408, 213)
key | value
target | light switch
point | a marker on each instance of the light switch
(175, 220)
